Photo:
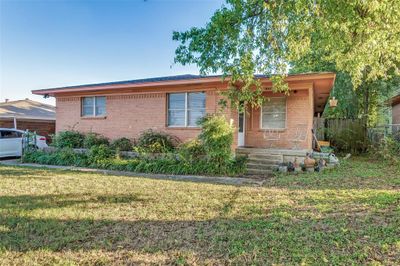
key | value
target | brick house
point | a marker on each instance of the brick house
(173, 104)
(28, 115)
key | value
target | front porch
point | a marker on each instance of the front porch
(263, 161)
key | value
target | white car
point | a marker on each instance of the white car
(11, 142)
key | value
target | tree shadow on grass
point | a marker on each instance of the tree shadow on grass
(273, 239)
(278, 237)
(22, 173)
(29, 202)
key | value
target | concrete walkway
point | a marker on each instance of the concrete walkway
(239, 181)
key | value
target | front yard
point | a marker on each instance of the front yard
(347, 216)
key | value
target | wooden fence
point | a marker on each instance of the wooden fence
(345, 135)
(376, 134)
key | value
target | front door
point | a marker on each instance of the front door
(241, 129)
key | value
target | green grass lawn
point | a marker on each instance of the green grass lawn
(350, 215)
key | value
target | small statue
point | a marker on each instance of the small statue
(296, 163)
(321, 165)
(290, 167)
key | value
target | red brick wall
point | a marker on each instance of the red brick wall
(396, 114)
(127, 115)
(130, 114)
(299, 113)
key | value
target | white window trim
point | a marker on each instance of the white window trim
(286, 118)
(94, 106)
(186, 110)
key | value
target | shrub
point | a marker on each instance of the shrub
(238, 165)
(217, 139)
(64, 156)
(156, 142)
(68, 139)
(94, 139)
(100, 155)
(122, 144)
(192, 150)
(389, 149)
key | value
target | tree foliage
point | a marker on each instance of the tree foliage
(368, 100)
(244, 37)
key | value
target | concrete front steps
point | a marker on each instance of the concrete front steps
(263, 162)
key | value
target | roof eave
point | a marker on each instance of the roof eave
(27, 117)
(296, 77)
(394, 100)
(51, 92)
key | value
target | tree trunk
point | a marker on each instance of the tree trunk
(366, 114)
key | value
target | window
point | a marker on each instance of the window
(94, 106)
(185, 109)
(9, 134)
(273, 114)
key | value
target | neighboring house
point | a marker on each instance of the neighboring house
(28, 115)
(174, 104)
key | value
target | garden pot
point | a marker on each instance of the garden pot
(297, 169)
(309, 162)
(333, 102)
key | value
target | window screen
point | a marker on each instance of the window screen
(274, 114)
(185, 109)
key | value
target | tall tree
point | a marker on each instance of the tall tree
(368, 100)
(244, 37)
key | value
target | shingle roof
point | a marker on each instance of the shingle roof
(155, 80)
(145, 80)
(27, 109)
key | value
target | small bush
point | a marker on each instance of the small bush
(192, 150)
(68, 139)
(217, 138)
(94, 139)
(100, 155)
(122, 144)
(64, 156)
(238, 165)
(156, 142)
(388, 149)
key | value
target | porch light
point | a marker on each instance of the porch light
(333, 102)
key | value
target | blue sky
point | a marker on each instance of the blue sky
(58, 43)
